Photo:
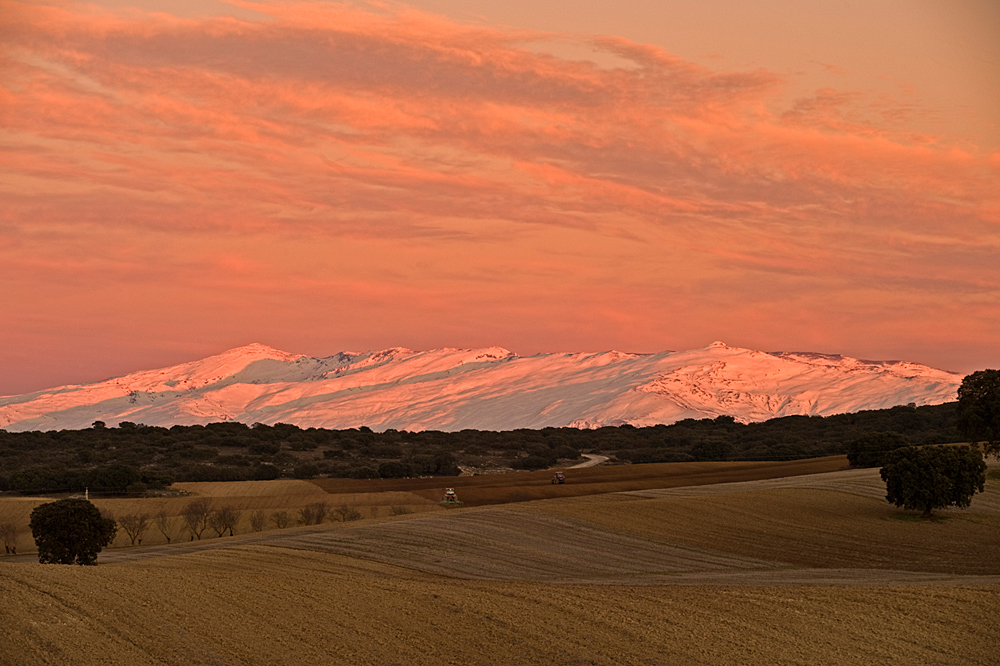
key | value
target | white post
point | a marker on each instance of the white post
(86, 494)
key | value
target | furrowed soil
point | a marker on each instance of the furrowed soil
(770, 569)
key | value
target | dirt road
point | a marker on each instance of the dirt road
(592, 460)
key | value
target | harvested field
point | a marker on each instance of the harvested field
(252, 605)
(808, 569)
(838, 520)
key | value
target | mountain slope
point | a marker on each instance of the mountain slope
(494, 389)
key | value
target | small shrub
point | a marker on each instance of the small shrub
(870, 450)
(196, 514)
(567, 452)
(266, 472)
(399, 510)
(264, 448)
(313, 514)
(281, 519)
(137, 489)
(306, 471)
(257, 520)
(224, 520)
(395, 470)
(135, 525)
(347, 513)
(530, 462)
(364, 472)
(8, 534)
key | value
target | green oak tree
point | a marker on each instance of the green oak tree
(979, 409)
(70, 531)
(933, 477)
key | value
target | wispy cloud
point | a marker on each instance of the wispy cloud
(445, 150)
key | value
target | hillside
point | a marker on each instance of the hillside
(484, 389)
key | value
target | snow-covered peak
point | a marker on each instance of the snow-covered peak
(197, 374)
(489, 388)
(256, 350)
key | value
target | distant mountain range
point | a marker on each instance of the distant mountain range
(485, 389)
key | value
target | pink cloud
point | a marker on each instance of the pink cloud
(404, 163)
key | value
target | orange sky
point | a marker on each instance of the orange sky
(180, 177)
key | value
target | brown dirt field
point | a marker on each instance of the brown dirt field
(266, 605)
(523, 486)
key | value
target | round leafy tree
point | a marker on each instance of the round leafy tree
(979, 409)
(70, 531)
(933, 477)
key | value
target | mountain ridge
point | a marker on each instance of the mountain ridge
(487, 389)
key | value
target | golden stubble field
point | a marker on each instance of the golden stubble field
(813, 569)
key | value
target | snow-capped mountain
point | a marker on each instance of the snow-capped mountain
(486, 389)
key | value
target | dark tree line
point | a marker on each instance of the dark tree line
(133, 458)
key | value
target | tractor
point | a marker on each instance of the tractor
(558, 477)
(450, 497)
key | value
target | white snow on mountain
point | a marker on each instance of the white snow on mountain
(486, 389)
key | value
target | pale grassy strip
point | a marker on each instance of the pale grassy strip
(285, 496)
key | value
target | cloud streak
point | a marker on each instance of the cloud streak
(443, 152)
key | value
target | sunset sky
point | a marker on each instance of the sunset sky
(178, 177)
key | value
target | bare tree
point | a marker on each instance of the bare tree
(8, 534)
(135, 525)
(257, 520)
(196, 514)
(313, 514)
(281, 519)
(306, 515)
(162, 522)
(224, 520)
(347, 512)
